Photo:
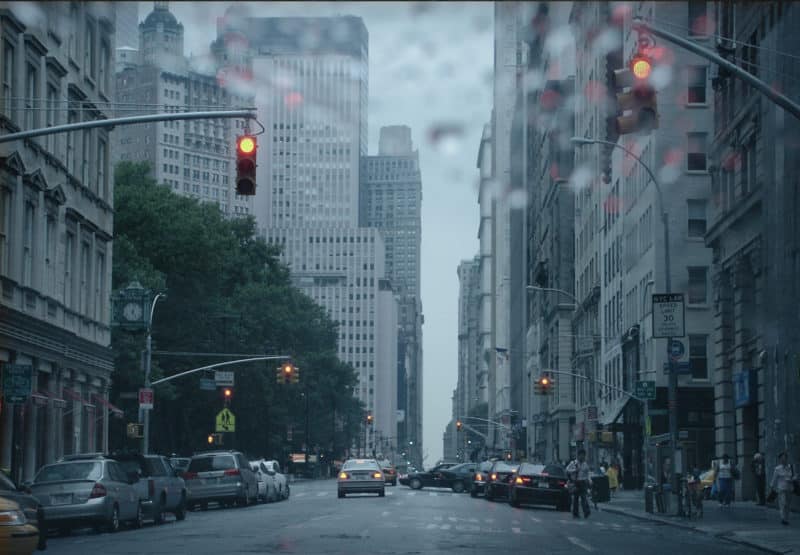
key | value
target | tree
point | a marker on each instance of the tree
(227, 292)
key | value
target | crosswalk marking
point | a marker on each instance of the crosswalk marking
(433, 493)
(533, 518)
(322, 493)
(452, 518)
(516, 529)
(437, 517)
(385, 513)
(431, 526)
(579, 543)
(445, 526)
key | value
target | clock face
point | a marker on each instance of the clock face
(132, 312)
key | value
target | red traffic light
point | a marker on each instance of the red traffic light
(641, 68)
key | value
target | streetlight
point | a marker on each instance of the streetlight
(673, 376)
(147, 359)
(567, 293)
(645, 402)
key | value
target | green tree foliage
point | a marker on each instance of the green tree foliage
(227, 293)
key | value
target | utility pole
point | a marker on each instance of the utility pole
(147, 364)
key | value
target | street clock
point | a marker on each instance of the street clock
(129, 307)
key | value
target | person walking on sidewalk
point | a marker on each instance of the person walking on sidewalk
(613, 479)
(725, 481)
(578, 471)
(760, 475)
(783, 485)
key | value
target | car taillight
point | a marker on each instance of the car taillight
(151, 488)
(493, 477)
(479, 478)
(562, 483)
(232, 472)
(377, 475)
(99, 490)
(189, 475)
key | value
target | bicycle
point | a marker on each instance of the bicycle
(692, 496)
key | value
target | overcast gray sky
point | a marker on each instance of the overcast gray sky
(430, 67)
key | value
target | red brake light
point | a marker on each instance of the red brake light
(189, 475)
(99, 490)
(232, 472)
(562, 483)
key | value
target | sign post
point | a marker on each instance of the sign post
(668, 316)
(226, 421)
(646, 390)
(146, 398)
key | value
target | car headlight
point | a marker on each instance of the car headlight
(12, 518)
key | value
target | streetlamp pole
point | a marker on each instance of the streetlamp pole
(645, 402)
(147, 360)
(673, 376)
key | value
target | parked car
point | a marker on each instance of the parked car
(180, 464)
(458, 477)
(501, 473)
(34, 514)
(389, 472)
(224, 477)
(17, 534)
(480, 478)
(361, 476)
(539, 484)
(267, 492)
(160, 489)
(281, 483)
(85, 490)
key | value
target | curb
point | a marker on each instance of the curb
(703, 530)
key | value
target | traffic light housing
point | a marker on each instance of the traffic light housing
(370, 419)
(458, 425)
(227, 394)
(210, 439)
(637, 109)
(543, 385)
(246, 148)
(295, 377)
(279, 377)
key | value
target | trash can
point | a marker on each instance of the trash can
(648, 498)
(601, 493)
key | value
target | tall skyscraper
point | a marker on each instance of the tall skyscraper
(310, 76)
(194, 158)
(391, 199)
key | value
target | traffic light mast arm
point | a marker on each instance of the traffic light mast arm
(476, 432)
(776, 97)
(130, 120)
(498, 424)
(604, 384)
(219, 364)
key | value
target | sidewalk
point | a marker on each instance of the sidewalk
(743, 522)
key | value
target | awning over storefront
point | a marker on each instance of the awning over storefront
(118, 412)
(72, 395)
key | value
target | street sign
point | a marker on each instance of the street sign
(646, 390)
(676, 350)
(684, 367)
(208, 384)
(135, 430)
(146, 398)
(226, 421)
(668, 315)
(223, 377)
(17, 382)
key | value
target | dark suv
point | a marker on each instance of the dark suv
(159, 487)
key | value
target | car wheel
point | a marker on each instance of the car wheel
(416, 483)
(158, 511)
(112, 525)
(180, 511)
(286, 492)
(382, 493)
(139, 522)
(341, 495)
(458, 486)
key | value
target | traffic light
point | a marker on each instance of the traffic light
(295, 377)
(636, 97)
(279, 377)
(227, 394)
(214, 439)
(543, 385)
(246, 148)
(458, 425)
(210, 439)
(370, 419)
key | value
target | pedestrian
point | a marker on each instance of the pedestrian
(725, 481)
(613, 478)
(578, 472)
(783, 485)
(666, 484)
(619, 475)
(760, 476)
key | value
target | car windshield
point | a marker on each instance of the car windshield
(504, 467)
(210, 463)
(70, 471)
(360, 465)
(130, 466)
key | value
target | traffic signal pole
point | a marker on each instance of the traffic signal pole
(130, 120)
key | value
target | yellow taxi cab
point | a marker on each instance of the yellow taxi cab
(17, 537)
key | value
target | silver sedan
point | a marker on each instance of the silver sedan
(361, 476)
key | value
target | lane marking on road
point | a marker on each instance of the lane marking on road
(515, 529)
(431, 526)
(412, 493)
(515, 522)
(433, 493)
(488, 520)
(300, 494)
(579, 543)
(533, 518)
(438, 517)
(444, 527)
(473, 520)
(322, 493)
(452, 519)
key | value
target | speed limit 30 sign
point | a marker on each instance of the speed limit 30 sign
(668, 315)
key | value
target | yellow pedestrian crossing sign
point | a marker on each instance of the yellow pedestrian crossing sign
(226, 421)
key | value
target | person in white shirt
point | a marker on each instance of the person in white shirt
(783, 485)
(724, 481)
(578, 472)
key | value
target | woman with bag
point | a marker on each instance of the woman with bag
(783, 485)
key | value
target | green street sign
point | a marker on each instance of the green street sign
(646, 390)
(17, 382)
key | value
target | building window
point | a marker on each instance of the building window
(698, 289)
(86, 266)
(102, 155)
(696, 83)
(89, 58)
(696, 151)
(104, 76)
(8, 80)
(698, 356)
(697, 217)
(74, 27)
(31, 87)
(698, 18)
(27, 244)
(72, 117)
(51, 117)
(100, 288)
(5, 224)
(87, 149)
(50, 255)
(69, 269)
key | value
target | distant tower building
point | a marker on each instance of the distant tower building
(194, 158)
(391, 200)
(126, 25)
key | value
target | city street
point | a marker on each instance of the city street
(314, 520)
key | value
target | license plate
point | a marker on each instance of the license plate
(62, 499)
(544, 484)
